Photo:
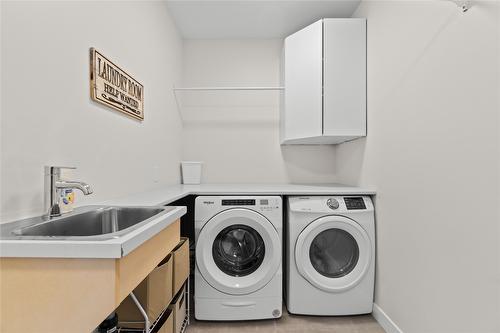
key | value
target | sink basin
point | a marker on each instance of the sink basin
(102, 222)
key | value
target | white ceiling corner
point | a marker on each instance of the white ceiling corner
(234, 19)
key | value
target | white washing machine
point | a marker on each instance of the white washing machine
(238, 273)
(330, 255)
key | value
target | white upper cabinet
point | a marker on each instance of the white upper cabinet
(324, 75)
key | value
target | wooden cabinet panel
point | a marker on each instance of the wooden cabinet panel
(55, 295)
(134, 267)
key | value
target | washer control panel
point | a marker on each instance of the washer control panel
(238, 202)
(209, 204)
(332, 203)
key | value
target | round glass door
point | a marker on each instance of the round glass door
(238, 250)
(333, 253)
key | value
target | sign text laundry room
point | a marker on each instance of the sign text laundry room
(112, 86)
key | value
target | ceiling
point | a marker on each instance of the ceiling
(252, 19)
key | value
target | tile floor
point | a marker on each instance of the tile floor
(293, 324)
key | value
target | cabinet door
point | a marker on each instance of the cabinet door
(344, 81)
(302, 116)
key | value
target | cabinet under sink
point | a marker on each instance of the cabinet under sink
(83, 291)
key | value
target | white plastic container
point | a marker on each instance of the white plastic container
(191, 172)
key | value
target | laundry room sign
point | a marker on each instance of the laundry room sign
(112, 86)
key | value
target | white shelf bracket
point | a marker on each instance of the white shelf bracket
(177, 103)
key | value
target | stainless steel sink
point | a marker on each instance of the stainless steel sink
(92, 222)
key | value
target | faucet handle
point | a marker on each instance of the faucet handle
(56, 170)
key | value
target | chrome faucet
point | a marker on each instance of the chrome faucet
(53, 186)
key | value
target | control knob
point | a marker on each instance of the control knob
(332, 203)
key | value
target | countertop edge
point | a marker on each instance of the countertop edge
(169, 194)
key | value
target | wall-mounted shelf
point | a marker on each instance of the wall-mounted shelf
(226, 88)
(208, 98)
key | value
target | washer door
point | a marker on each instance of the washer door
(333, 253)
(238, 251)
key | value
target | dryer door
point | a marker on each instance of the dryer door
(333, 253)
(238, 251)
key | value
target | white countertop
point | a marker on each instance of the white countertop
(168, 194)
(119, 247)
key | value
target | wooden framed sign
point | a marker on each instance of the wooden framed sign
(112, 86)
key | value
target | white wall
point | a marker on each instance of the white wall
(432, 149)
(236, 134)
(46, 112)
(432, 152)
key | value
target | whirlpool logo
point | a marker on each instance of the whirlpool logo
(208, 202)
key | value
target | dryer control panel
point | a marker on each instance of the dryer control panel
(354, 203)
(330, 204)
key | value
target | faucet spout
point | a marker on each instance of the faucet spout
(84, 187)
(53, 186)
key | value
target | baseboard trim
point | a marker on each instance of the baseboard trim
(383, 319)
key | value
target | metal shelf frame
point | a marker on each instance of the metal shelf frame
(150, 326)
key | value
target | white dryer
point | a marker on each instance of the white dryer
(238, 273)
(330, 255)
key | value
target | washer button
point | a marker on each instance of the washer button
(332, 203)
